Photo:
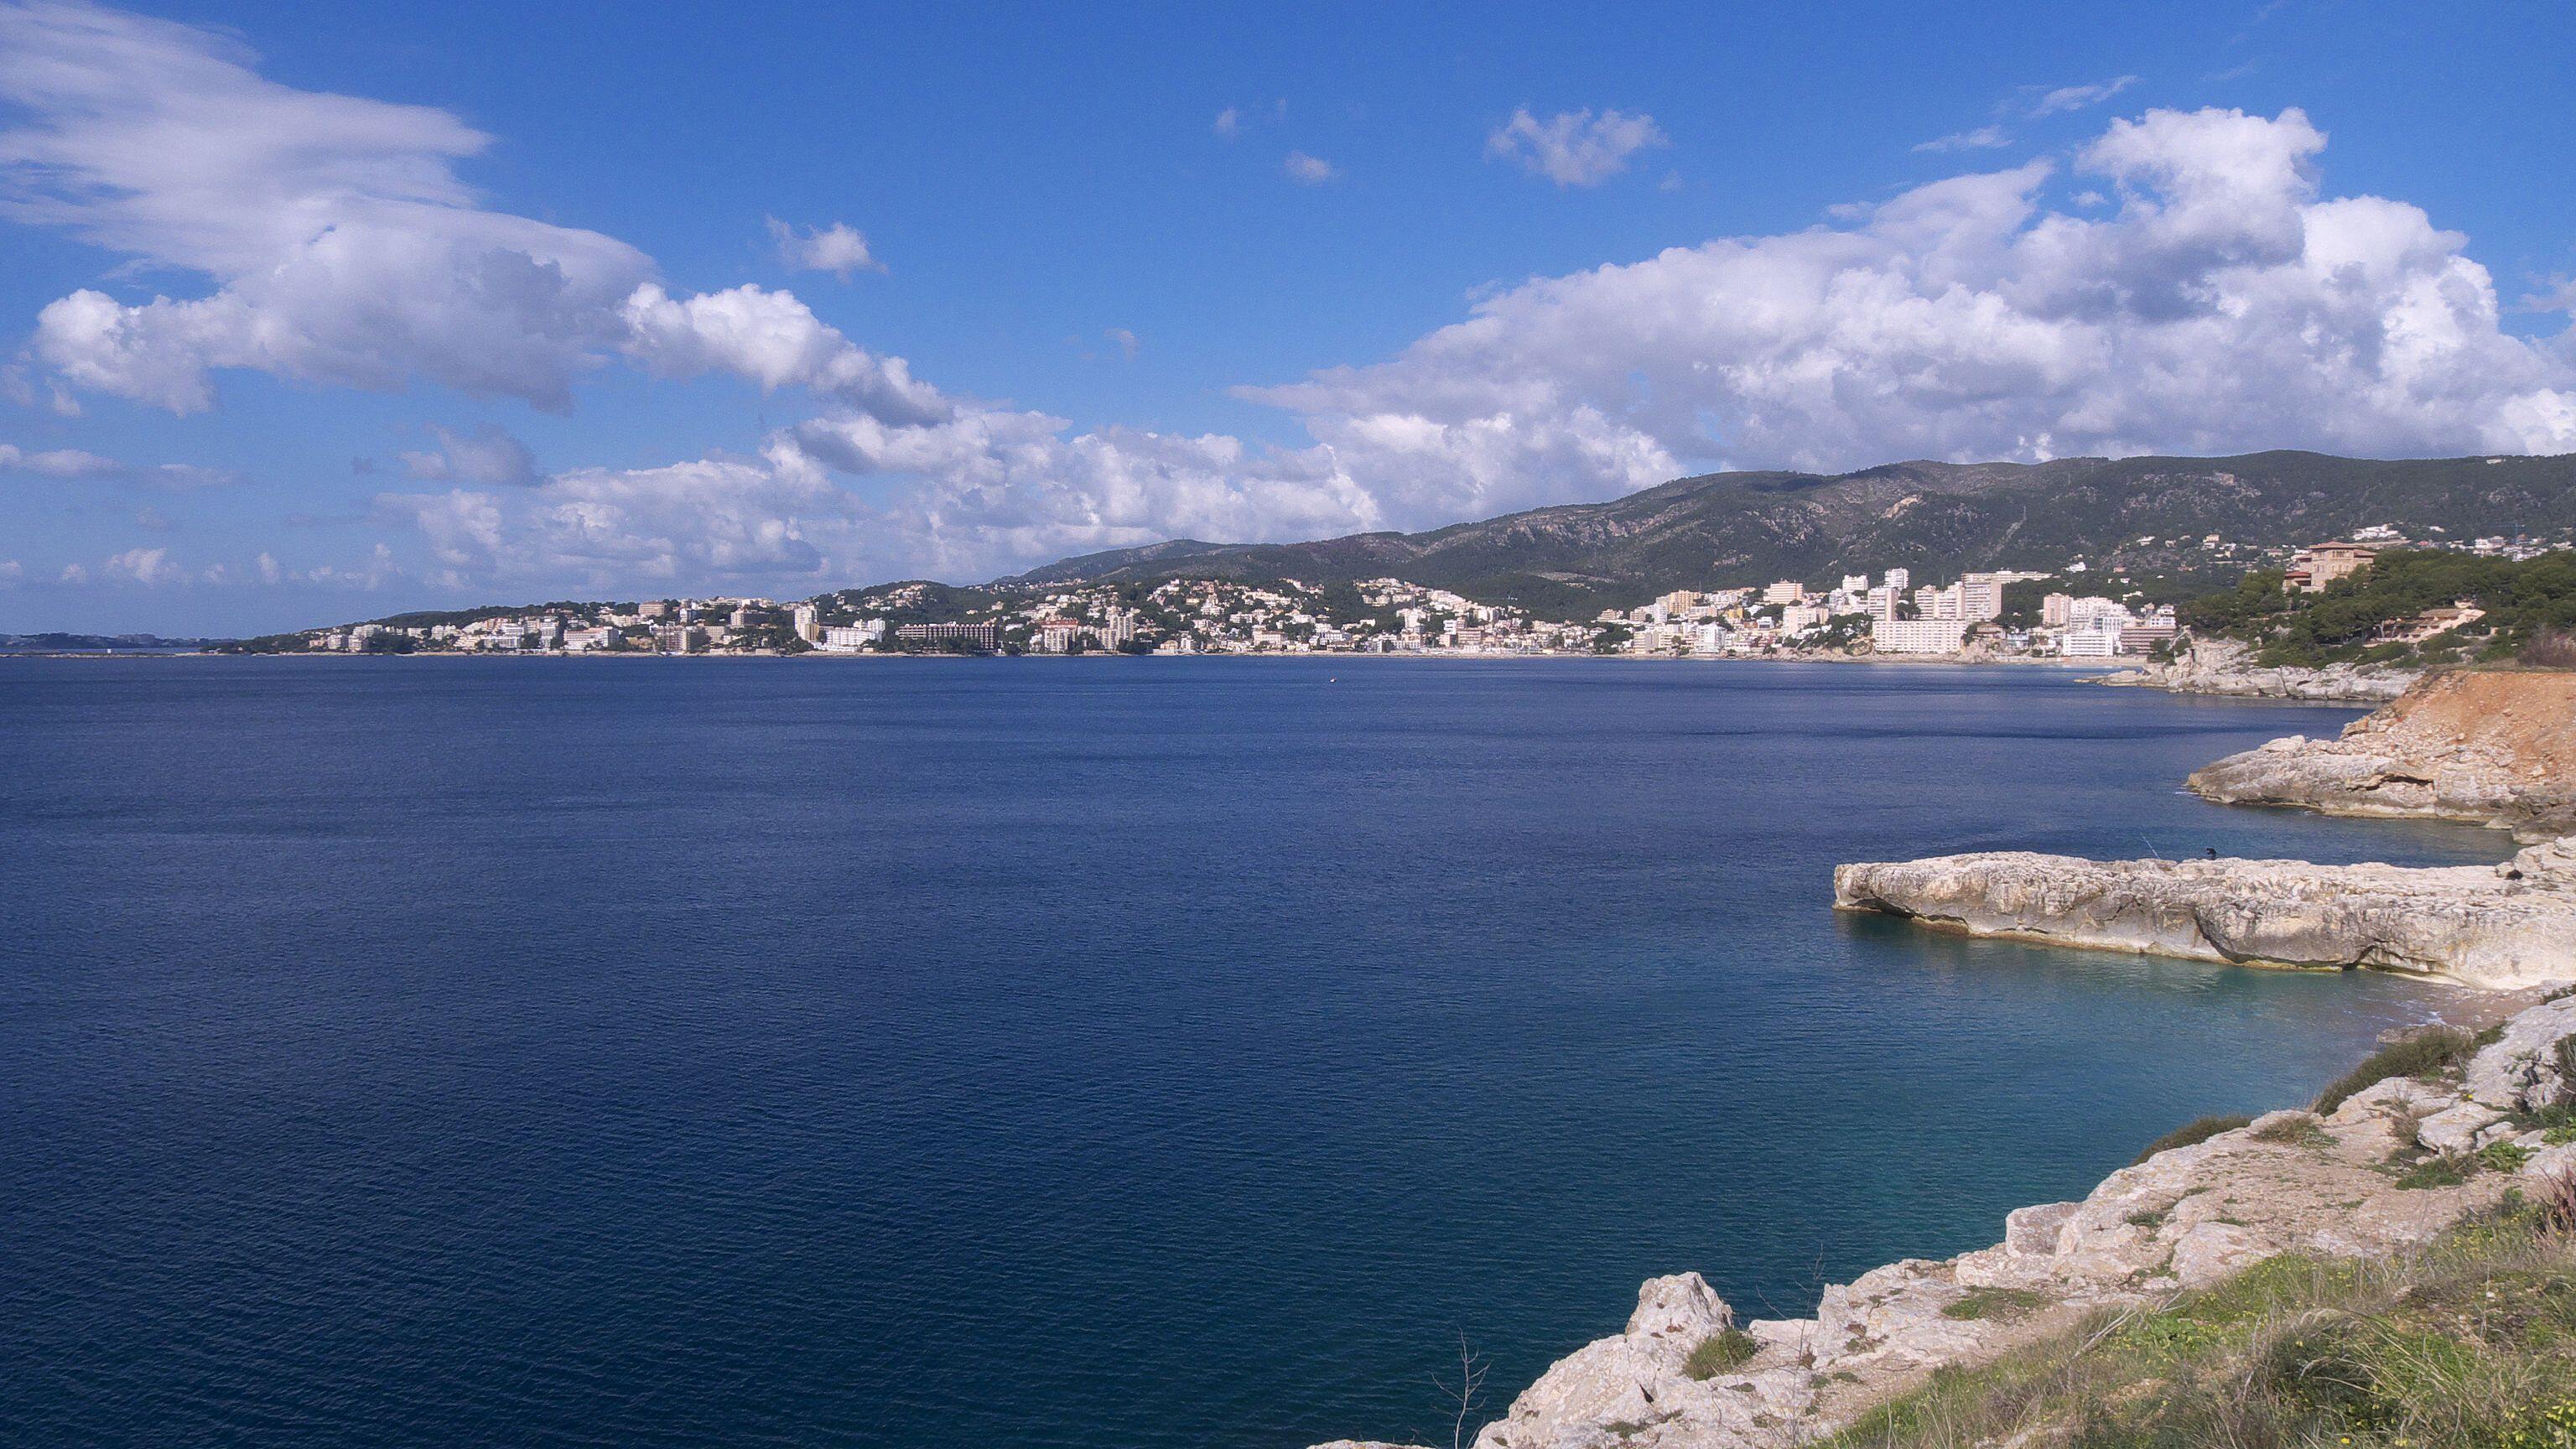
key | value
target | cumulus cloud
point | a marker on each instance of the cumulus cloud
(149, 567)
(485, 458)
(839, 249)
(1984, 138)
(1310, 170)
(1125, 339)
(1574, 148)
(342, 246)
(11, 571)
(2226, 305)
(775, 340)
(1229, 123)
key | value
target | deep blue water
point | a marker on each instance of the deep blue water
(1086, 1053)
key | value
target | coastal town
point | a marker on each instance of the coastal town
(2072, 613)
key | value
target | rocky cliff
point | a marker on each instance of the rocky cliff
(2334, 1184)
(2223, 666)
(2489, 747)
(2491, 926)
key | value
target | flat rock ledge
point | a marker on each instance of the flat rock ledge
(2183, 1219)
(2499, 927)
(2485, 747)
(2224, 667)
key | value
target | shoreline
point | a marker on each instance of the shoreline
(1685, 1374)
(1952, 661)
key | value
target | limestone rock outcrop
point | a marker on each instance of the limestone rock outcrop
(2473, 924)
(2223, 666)
(2492, 747)
(2290, 1181)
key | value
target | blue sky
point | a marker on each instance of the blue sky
(1440, 263)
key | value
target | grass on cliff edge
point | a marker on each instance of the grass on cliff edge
(2468, 1342)
(2422, 1054)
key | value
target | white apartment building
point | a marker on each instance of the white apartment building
(1917, 636)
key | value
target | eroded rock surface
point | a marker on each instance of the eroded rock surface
(2489, 747)
(2481, 925)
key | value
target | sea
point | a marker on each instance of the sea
(1099, 1052)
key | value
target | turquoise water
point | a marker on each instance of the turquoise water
(1086, 1053)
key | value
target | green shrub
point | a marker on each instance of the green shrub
(1719, 1352)
(2504, 1156)
(2420, 1055)
(2199, 1129)
(2005, 1303)
(2438, 1172)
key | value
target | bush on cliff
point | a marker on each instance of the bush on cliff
(1719, 1352)
(2470, 1341)
(2422, 1054)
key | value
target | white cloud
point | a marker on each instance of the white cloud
(343, 247)
(839, 249)
(1125, 339)
(74, 574)
(775, 340)
(150, 567)
(485, 458)
(1574, 148)
(719, 518)
(2076, 98)
(11, 571)
(2224, 306)
(1311, 170)
(1983, 138)
(73, 463)
(1229, 123)
(57, 463)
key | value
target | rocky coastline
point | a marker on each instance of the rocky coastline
(1686, 1373)
(2491, 748)
(2225, 667)
(2294, 1181)
(2500, 927)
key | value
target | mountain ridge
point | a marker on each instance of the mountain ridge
(1714, 530)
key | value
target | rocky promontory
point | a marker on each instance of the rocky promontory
(2223, 666)
(2491, 926)
(2490, 747)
